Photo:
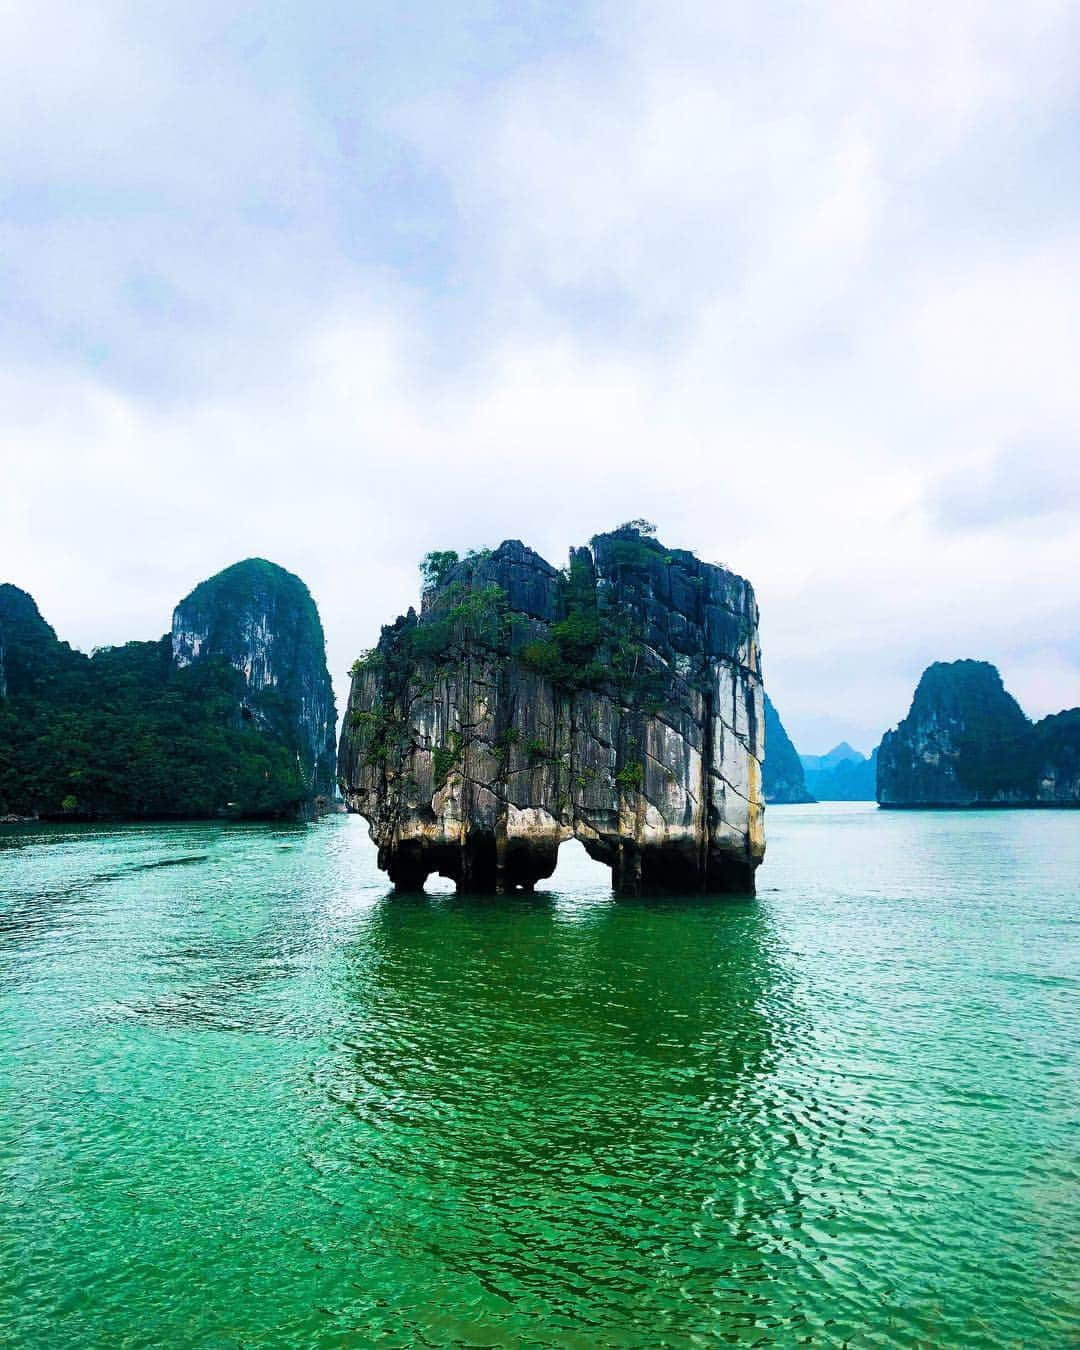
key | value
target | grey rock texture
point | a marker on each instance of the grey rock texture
(966, 742)
(783, 779)
(262, 620)
(619, 703)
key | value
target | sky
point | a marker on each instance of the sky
(339, 283)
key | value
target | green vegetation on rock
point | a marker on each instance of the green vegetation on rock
(631, 776)
(135, 732)
(124, 734)
(262, 620)
(434, 567)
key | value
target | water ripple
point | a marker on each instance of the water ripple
(257, 1101)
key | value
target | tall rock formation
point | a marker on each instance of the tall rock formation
(966, 742)
(262, 620)
(783, 780)
(619, 703)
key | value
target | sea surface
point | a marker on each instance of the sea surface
(249, 1098)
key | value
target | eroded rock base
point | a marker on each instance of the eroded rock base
(485, 868)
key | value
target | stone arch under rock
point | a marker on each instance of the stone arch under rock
(496, 862)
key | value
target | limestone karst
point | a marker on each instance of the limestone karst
(967, 742)
(262, 620)
(618, 702)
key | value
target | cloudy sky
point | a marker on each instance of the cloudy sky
(338, 283)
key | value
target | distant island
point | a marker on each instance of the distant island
(230, 713)
(964, 742)
(843, 774)
(967, 742)
(783, 779)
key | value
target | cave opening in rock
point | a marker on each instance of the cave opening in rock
(576, 872)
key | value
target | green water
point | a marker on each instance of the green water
(249, 1099)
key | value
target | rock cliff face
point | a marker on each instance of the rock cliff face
(966, 742)
(262, 620)
(619, 702)
(782, 776)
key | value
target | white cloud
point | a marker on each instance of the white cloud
(710, 266)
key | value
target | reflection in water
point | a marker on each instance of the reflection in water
(258, 1101)
(563, 1085)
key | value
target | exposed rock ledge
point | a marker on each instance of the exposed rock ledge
(618, 702)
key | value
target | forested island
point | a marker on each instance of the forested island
(229, 713)
(967, 742)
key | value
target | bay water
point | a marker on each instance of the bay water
(250, 1098)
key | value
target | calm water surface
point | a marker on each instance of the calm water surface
(251, 1100)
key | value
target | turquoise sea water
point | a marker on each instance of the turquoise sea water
(250, 1099)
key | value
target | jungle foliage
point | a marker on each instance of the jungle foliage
(125, 734)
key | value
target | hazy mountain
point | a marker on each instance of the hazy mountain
(844, 774)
